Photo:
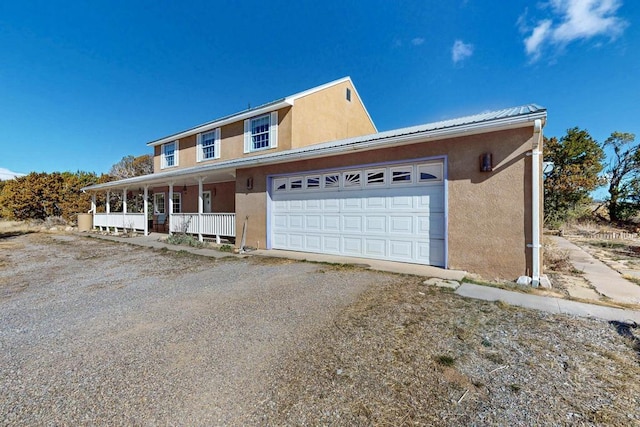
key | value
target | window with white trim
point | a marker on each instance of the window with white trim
(208, 145)
(169, 155)
(261, 133)
(177, 202)
(158, 203)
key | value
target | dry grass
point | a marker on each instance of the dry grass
(556, 259)
(412, 355)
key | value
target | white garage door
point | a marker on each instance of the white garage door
(394, 213)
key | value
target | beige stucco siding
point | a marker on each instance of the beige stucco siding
(231, 144)
(326, 115)
(489, 213)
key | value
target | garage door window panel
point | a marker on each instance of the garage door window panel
(401, 175)
(313, 182)
(353, 180)
(279, 185)
(430, 173)
(376, 177)
(295, 183)
(331, 181)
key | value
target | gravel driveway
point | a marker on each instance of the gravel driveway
(103, 333)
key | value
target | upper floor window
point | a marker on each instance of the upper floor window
(261, 133)
(209, 145)
(169, 157)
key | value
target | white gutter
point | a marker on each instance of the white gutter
(535, 202)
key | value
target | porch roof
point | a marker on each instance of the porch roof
(508, 118)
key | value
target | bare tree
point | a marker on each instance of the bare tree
(131, 166)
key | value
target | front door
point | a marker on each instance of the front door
(206, 201)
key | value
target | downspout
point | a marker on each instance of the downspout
(535, 201)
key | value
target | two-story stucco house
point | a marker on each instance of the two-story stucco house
(310, 173)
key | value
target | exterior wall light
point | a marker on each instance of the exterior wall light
(486, 162)
(250, 183)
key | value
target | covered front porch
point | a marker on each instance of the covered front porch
(202, 206)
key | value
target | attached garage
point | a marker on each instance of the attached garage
(391, 212)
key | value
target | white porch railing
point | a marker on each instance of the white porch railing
(127, 221)
(213, 224)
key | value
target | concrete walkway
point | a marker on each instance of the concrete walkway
(607, 281)
(548, 304)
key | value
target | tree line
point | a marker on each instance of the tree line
(581, 165)
(38, 196)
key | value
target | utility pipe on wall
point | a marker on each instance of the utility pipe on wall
(535, 201)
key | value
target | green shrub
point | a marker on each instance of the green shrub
(184, 239)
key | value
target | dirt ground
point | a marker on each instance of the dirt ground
(98, 333)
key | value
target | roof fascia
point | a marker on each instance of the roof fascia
(292, 98)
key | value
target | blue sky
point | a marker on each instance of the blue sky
(84, 83)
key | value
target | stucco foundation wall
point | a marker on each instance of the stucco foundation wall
(489, 213)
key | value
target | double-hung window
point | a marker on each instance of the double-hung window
(209, 145)
(261, 133)
(169, 155)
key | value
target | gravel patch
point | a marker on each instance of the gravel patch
(102, 333)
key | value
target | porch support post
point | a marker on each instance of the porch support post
(146, 210)
(170, 214)
(124, 210)
(93, 203)
(200, 206)
(108, 208)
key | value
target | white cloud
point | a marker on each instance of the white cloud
(572, 20)
(417, 41)
(537, 38)
(6, 174)
(461, 51)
